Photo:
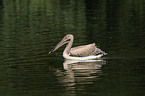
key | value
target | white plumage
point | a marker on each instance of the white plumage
(83, 52)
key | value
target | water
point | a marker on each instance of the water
(30, 29)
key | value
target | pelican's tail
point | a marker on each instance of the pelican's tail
(100, 51)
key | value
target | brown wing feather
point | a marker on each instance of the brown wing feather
(85, 50)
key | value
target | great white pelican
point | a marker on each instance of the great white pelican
(84, 52)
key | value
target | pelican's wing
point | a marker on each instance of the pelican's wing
(85, 50)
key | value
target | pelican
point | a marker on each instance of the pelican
(84, 52)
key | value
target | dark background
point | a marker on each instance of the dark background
(29, 29)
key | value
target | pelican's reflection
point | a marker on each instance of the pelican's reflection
(82, 72)
(79, 73)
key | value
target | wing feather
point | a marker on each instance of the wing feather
(85, 50)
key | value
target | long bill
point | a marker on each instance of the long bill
(62, 42)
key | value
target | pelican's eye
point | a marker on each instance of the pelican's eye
(67, 37)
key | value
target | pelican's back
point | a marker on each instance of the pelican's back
(85, 50)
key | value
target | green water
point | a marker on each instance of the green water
(29, 29)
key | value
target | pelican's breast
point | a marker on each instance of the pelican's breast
(85, 50)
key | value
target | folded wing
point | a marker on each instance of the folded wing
(85, 50)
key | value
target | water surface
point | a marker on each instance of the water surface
(30, 29)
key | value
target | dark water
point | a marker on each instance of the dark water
(29, 29)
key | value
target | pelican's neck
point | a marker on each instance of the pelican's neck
(68, 47)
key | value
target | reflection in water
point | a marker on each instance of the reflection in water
(79, 73)
(83, 72)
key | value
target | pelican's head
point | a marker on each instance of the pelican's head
(62, 42)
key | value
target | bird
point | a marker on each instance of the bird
(84, 52)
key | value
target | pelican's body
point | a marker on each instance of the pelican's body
(84, 52)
